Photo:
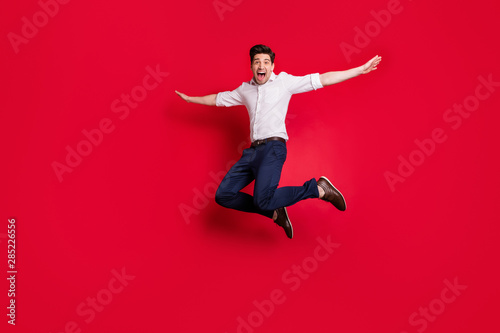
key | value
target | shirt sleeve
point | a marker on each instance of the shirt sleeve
(229, 98)
(301, 84)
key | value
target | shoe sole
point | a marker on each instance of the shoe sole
(288, 219)
(329, 182)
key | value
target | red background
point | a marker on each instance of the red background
(121, 207)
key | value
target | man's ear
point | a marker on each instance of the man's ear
(272, 67)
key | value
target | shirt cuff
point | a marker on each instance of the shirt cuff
(218, 101)
(315, 81)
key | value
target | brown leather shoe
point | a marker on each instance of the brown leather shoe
(283, 221)
(332, 195)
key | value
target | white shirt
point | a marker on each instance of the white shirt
(267, 104)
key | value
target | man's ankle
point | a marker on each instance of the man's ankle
(321, 192)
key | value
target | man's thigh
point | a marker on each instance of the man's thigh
(268, 172)
(240, 174)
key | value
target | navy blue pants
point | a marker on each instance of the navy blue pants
(262, 164)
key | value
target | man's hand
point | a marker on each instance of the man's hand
(371, 65)
(183, 96)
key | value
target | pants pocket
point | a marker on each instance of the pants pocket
(279, 149)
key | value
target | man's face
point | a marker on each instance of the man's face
(262, 68)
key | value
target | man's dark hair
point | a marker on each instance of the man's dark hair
(259, 48)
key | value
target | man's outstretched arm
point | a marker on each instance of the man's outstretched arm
(205, 100)
(329, 78)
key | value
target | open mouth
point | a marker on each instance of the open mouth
(261, 75)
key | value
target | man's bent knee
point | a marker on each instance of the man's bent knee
(222, 198)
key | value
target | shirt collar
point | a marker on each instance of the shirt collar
(272, 78)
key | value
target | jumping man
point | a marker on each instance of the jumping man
(266, 98)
